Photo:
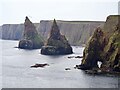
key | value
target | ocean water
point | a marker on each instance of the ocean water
(16, 71)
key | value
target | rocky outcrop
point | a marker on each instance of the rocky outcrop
(104, 46)
(31, 38)
(39, 65)
(92, 52)
(77, 32)
(56, 44)
(111, 55)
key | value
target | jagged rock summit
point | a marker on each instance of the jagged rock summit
(31, 38)
(104, 46)
(56, 44)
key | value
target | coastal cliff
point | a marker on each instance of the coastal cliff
(76, 32)
(104, 46)
(12, 31)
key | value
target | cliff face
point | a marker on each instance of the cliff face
(104, 46)
(12, 31)
(76, 32)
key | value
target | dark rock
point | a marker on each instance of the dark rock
(83, 67)
(31, 38)
(79, 57)
(67, 69)
(57, 44)
(52, 50)
(71, 56)
(26, 44)
(39, 65)
(75, 57)
(96, 72)
(77, 67)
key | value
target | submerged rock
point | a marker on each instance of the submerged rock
(31, 38)
(56, 44)
(71, 57)
(67, 69)
(39, 65)
(75, 57)
(104, 46)
(79, 57)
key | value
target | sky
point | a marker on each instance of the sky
(15, 11)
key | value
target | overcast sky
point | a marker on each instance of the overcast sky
(14, 11)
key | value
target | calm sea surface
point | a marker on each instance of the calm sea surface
(16, 71)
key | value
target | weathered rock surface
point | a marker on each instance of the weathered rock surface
(104, 46)
(77, 32)
(56, 44)
(31, 38)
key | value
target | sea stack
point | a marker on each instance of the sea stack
(56, 44)
(104, 46)
(31, 38)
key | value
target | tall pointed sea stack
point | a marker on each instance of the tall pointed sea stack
(57, 44)
(31, 38)
(104, 46)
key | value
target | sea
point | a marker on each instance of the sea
(17, 73)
